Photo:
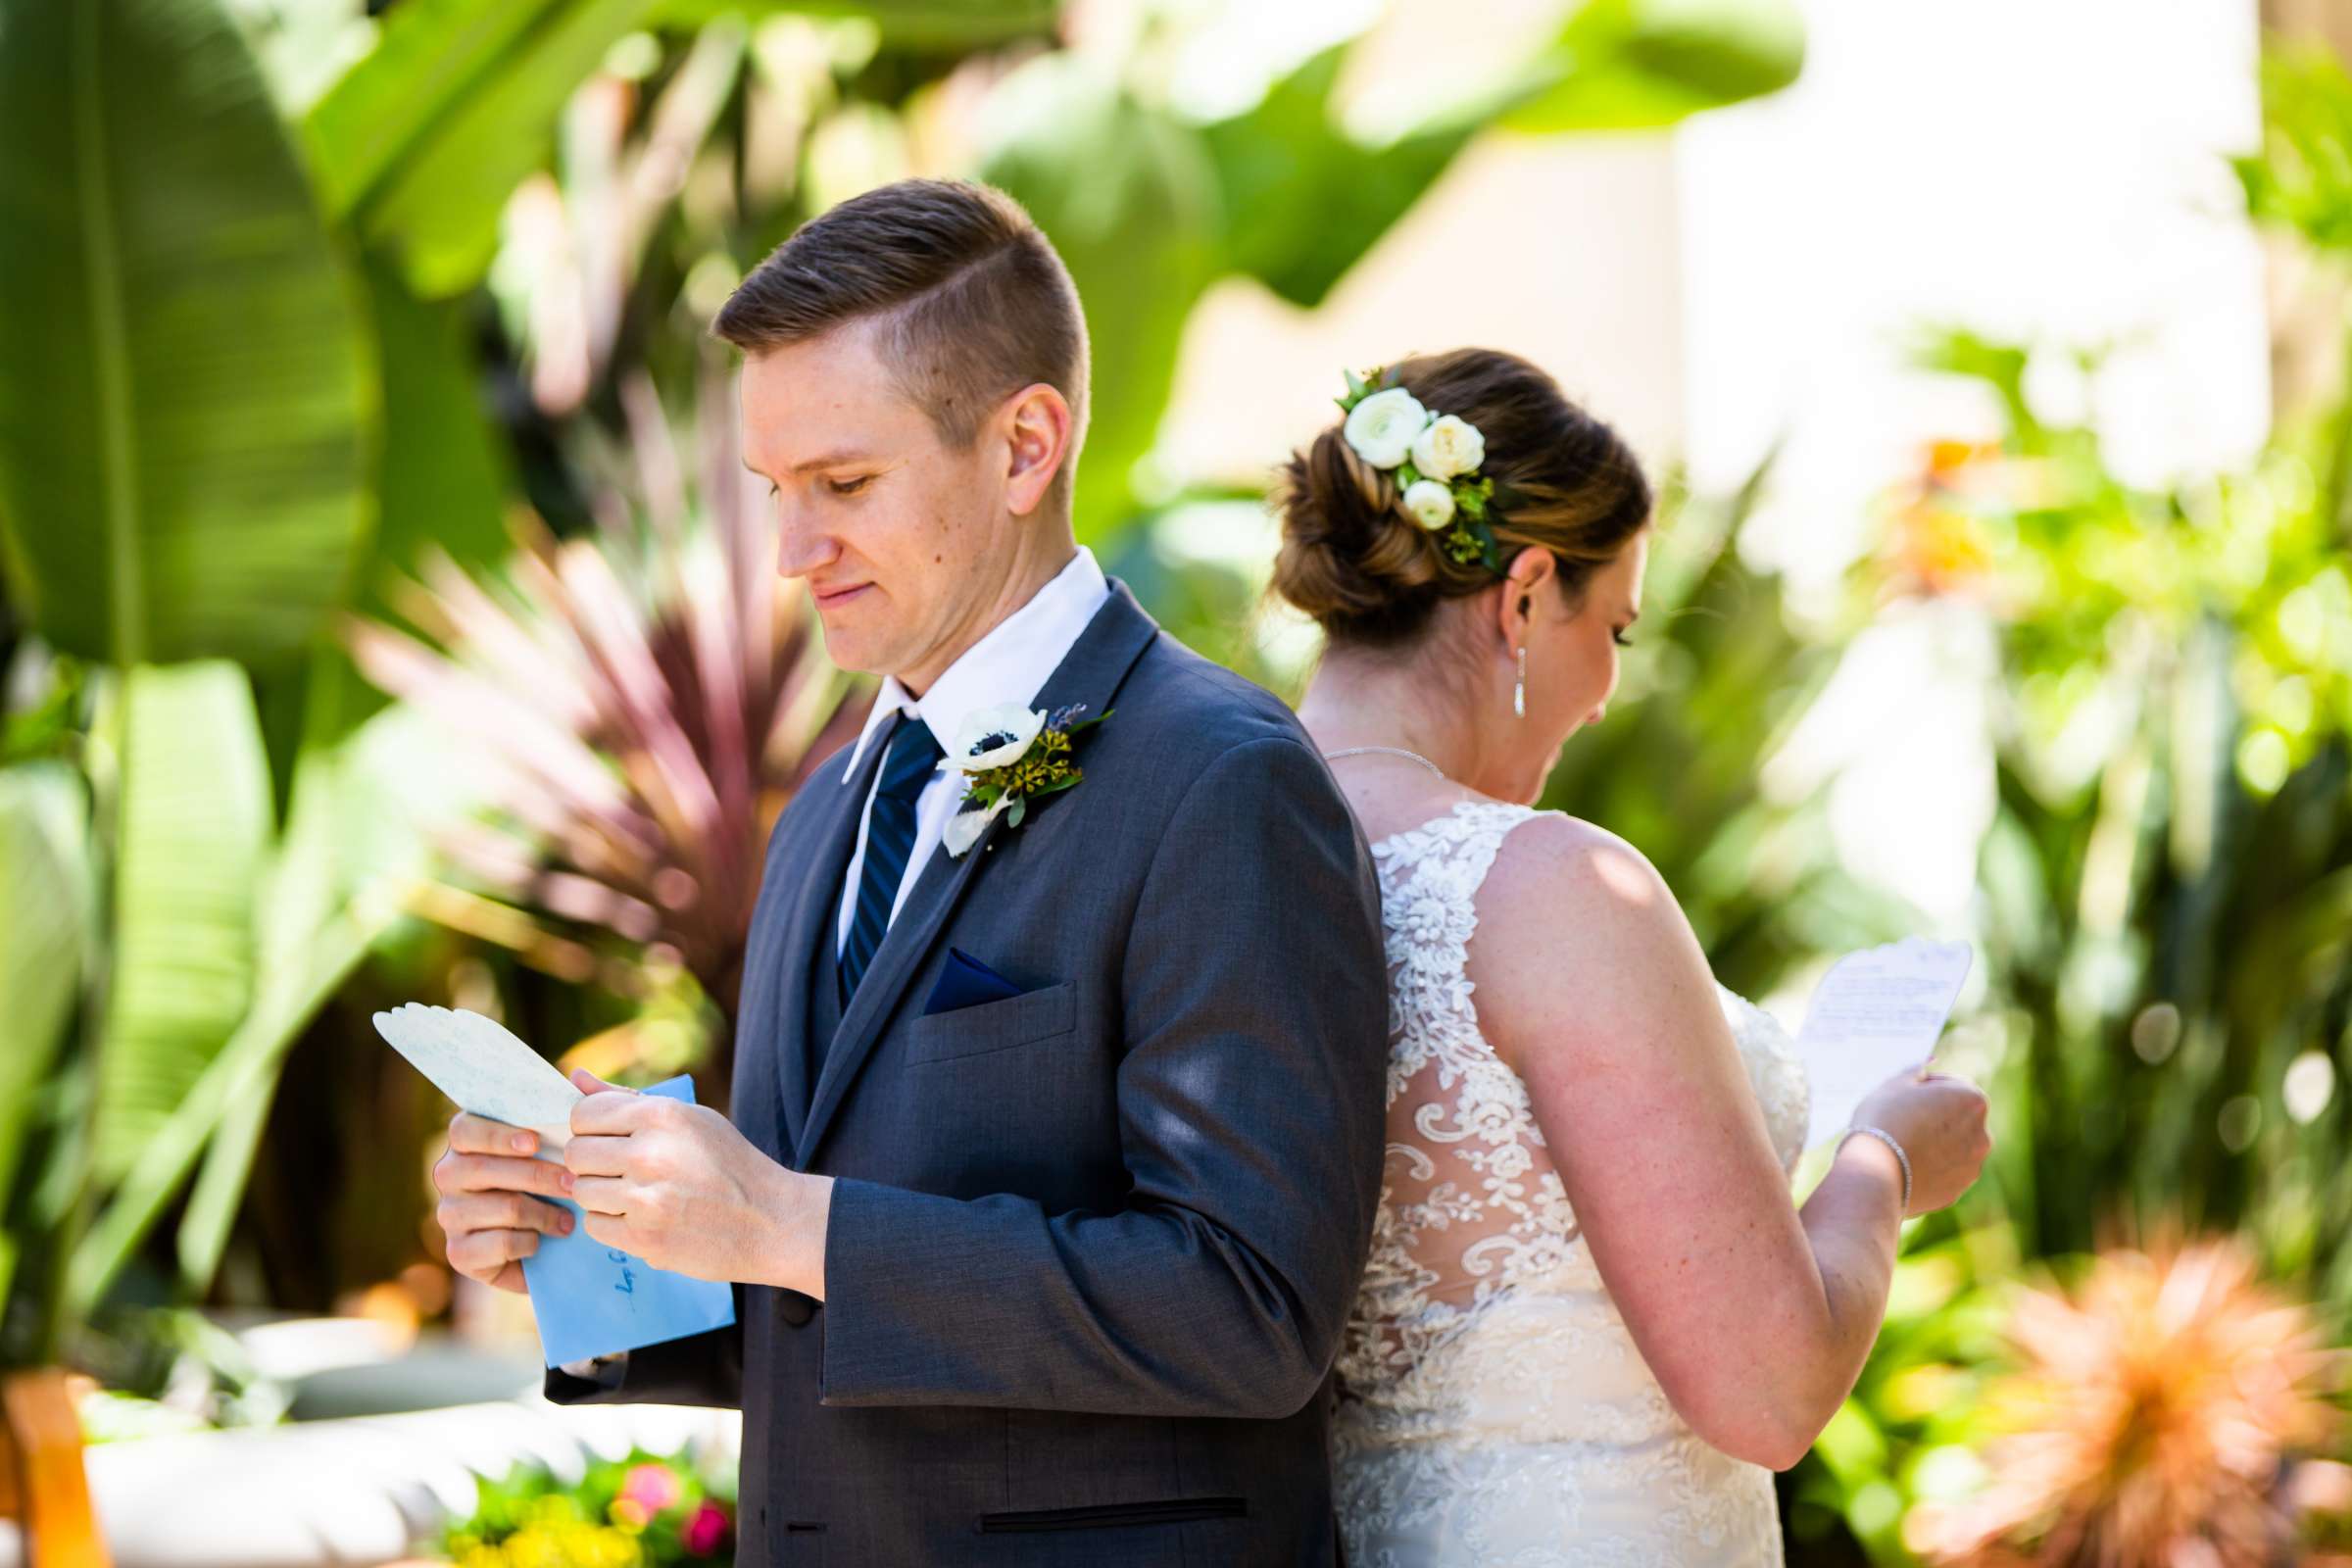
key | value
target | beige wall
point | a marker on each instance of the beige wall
(1562, 250)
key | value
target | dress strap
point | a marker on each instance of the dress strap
(1464, 842)
(1429, 881)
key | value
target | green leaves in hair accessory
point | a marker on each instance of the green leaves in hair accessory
(1476, 511)
(1379, 378)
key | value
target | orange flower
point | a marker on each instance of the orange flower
(2156, 1412)
(1940, 547)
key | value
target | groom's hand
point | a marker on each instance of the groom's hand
(680, 1187)
(487, 1216)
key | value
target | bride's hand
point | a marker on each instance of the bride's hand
(1939, 1120)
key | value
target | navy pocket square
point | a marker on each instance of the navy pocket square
(967, 982)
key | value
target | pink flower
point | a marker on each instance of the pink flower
(652, 1486)
(707, 1531)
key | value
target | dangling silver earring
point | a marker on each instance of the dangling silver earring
(1519, 692)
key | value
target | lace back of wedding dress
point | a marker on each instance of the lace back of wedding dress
(1495, 1409)
(1471, 1203)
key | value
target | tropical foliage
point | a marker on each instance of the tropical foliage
(2169, 1001)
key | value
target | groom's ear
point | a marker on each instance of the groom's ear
(1037, 433)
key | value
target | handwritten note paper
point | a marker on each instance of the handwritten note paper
(589, 1299)
(1875, 1013)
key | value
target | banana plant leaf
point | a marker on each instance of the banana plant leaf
(183, 379)
(906, 23)
(418, 146)
(44, 946)
(1303, 199)
(356, 824)
(1635, 65)
(193, 837)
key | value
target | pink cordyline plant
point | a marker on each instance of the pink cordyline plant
(650, 699)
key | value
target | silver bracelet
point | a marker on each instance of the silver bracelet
(1900, 1158)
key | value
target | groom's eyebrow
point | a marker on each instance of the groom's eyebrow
(826, 460)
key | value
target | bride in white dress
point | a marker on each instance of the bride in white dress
(1593, 1321)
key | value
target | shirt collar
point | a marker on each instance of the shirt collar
(1009, 665)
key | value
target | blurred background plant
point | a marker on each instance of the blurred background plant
(2166, 924)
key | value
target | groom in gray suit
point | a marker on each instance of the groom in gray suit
(1059, 1086)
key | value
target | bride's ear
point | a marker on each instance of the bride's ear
(1529, 575)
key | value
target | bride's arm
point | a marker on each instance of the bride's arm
(1754, 1317)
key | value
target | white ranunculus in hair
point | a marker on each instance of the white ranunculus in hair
(1429, 504)
(1449, 446)
(993, 736)
(1382, 427)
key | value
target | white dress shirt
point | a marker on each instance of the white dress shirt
(1011, 665)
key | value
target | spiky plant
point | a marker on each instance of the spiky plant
(650, 697)
(2157, 1419)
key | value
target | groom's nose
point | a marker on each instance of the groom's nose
(801, 549)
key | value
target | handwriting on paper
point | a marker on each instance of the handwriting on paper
(1877, 1012)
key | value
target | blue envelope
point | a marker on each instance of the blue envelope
(594, 1300)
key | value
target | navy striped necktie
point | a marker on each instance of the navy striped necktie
(908, 763)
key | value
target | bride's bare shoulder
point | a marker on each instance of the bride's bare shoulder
(1577, 932)
(1557, 864)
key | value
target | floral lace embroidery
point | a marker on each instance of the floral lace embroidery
(1497, 1408)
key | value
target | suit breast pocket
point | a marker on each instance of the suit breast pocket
(975, 1031)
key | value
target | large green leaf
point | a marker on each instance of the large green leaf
(307, 930)
(45, 942)
(184, 387)
(193, 838)
(1129, 198)
(421, 143)
(1303, 200)
(1628, 65)
(906, 23)
(360, 820)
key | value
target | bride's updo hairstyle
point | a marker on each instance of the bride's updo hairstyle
(1354, 560)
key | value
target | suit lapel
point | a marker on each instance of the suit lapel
(808, 939)
(1090, 674)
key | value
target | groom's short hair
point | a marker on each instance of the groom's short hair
(971, 300)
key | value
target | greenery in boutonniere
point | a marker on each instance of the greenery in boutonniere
(1009, 756)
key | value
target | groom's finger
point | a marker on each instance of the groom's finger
(483, 1254)
(471, 1213)
(619, 1110)
(603, 1194)
(469, 1134)
(499, 1173)
(589, 1155)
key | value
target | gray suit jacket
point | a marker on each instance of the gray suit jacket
(1090, 1246)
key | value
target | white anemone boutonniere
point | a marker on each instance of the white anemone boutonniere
(1009, 756)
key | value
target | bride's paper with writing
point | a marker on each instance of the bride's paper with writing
(588, 1298)
(1876, 1012)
